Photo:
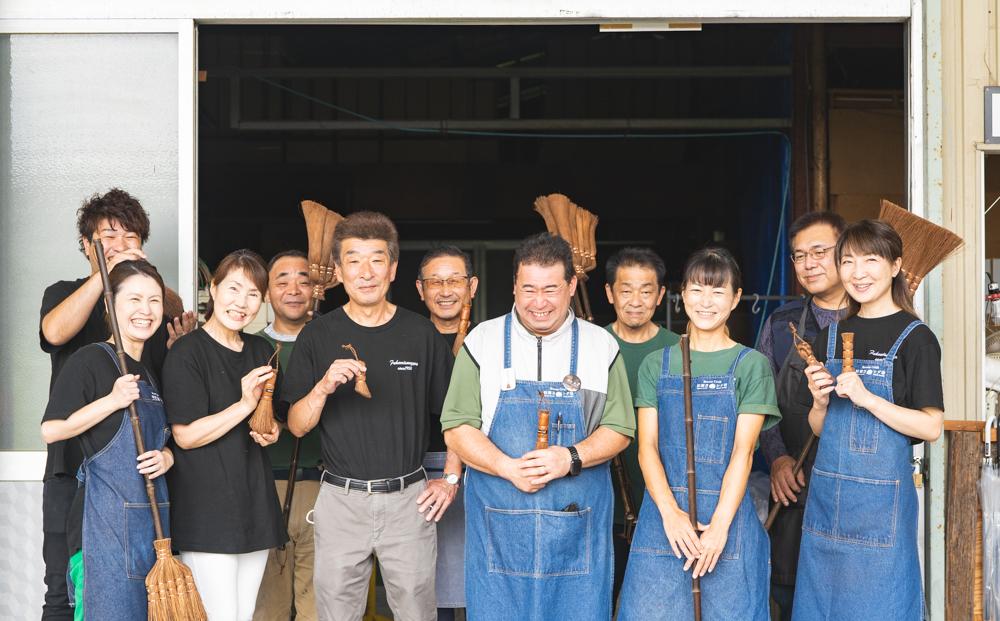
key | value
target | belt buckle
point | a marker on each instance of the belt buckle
(369, 485)
(402, 483)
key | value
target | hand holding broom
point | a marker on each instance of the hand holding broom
(262, 422)
(170, 588)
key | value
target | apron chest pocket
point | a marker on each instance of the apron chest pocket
(139, 535)
(534, 543)
(853, 509)
(711, 433)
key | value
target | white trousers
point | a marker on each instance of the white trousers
(227, 583)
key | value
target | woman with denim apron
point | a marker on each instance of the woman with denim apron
(858, 558)
(117, 526)
(732, 394)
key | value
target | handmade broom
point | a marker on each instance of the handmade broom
(262, 420)
(170, 588)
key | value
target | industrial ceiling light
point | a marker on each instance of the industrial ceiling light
(646, 26)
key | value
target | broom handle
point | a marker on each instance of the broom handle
(293, 465)
(796, 469)
(109, 300)
(692, 486)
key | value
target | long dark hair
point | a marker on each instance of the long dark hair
(877, 238)
(246, 260)
(127, 269)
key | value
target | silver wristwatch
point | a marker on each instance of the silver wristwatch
(451, 478)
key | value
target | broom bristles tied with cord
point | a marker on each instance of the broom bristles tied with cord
(925, 244)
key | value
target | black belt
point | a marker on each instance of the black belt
(302, 474)
(376, 486)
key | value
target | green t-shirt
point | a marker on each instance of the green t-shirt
(280, 452)
(633, 354)
(754, 379)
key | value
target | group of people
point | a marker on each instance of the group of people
(430, 462)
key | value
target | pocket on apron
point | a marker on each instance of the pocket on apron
(711, 433)
(853, 509)
(535, 543)
(139, 535)
(864, 431)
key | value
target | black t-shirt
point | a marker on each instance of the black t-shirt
(64, 457)
(87, 376)
(222, 496)
(408, 370)
(916, 372)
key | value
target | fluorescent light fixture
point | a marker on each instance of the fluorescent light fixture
(652, 27)
(992, 114)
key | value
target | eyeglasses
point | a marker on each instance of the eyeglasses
(452, 282)
(816, 254)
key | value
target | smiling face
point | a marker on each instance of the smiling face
(814, 259)
(236, 300)
(114, 237)
(139, 307)
(288, 288)
(444, 285)
(709, 307)
(365, 269)
(542, 296)
(635, 295)
(868, 277)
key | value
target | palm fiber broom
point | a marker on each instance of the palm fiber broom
(170, 588)
(925, 244)
(263, 420)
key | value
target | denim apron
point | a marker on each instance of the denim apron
(858, 558)
(545, 555)
(117, 522)
(656, 585)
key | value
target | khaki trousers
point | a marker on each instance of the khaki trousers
(288, 577)
(351, 528)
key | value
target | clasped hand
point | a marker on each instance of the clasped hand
(536, 469)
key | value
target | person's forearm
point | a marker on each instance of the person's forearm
(210, 428)
(77, 422)
(304, 414)
(601, 446)
(452, 463)
(655, 476)
(920, 424)
(772, 445)
(817, 416)
(734, 485)
(65, 321)
(475, 449)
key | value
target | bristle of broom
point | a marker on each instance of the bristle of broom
(171, 592)
(925, 244)
(315, 217)
(262, 420)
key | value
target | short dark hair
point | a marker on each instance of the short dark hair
(125, 270)
(246, 260)
(115, 205)
(712, 266)
(833, 219)
(633, 256)
(545, 249)
(445, 250)
(298, 254)
(367, 225)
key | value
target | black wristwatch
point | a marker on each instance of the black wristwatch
(575, 464)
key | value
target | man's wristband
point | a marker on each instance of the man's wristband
(575, 464)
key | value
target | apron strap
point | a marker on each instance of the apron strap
(736, 362)
(831, 341)
(665, 371)
(575, 347)
(506, 340)
(902, 337)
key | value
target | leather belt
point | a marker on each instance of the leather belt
(376, 486)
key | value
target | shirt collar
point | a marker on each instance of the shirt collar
(274, 334)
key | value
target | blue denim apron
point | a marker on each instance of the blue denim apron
(656, 585)
(537, 556)
(858, 558)
(117, 522)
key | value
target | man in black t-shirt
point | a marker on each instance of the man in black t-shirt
(375, 500)
(72, 315)
(445, 282)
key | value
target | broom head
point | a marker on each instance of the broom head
(170, 589)
(262, 420)
(315, 217)
(925, 244)
(542, 207)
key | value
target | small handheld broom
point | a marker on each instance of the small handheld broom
(262, 420)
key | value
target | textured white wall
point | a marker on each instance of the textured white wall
(78, 114)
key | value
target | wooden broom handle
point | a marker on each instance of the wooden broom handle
(692, 485)
(109, 300)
